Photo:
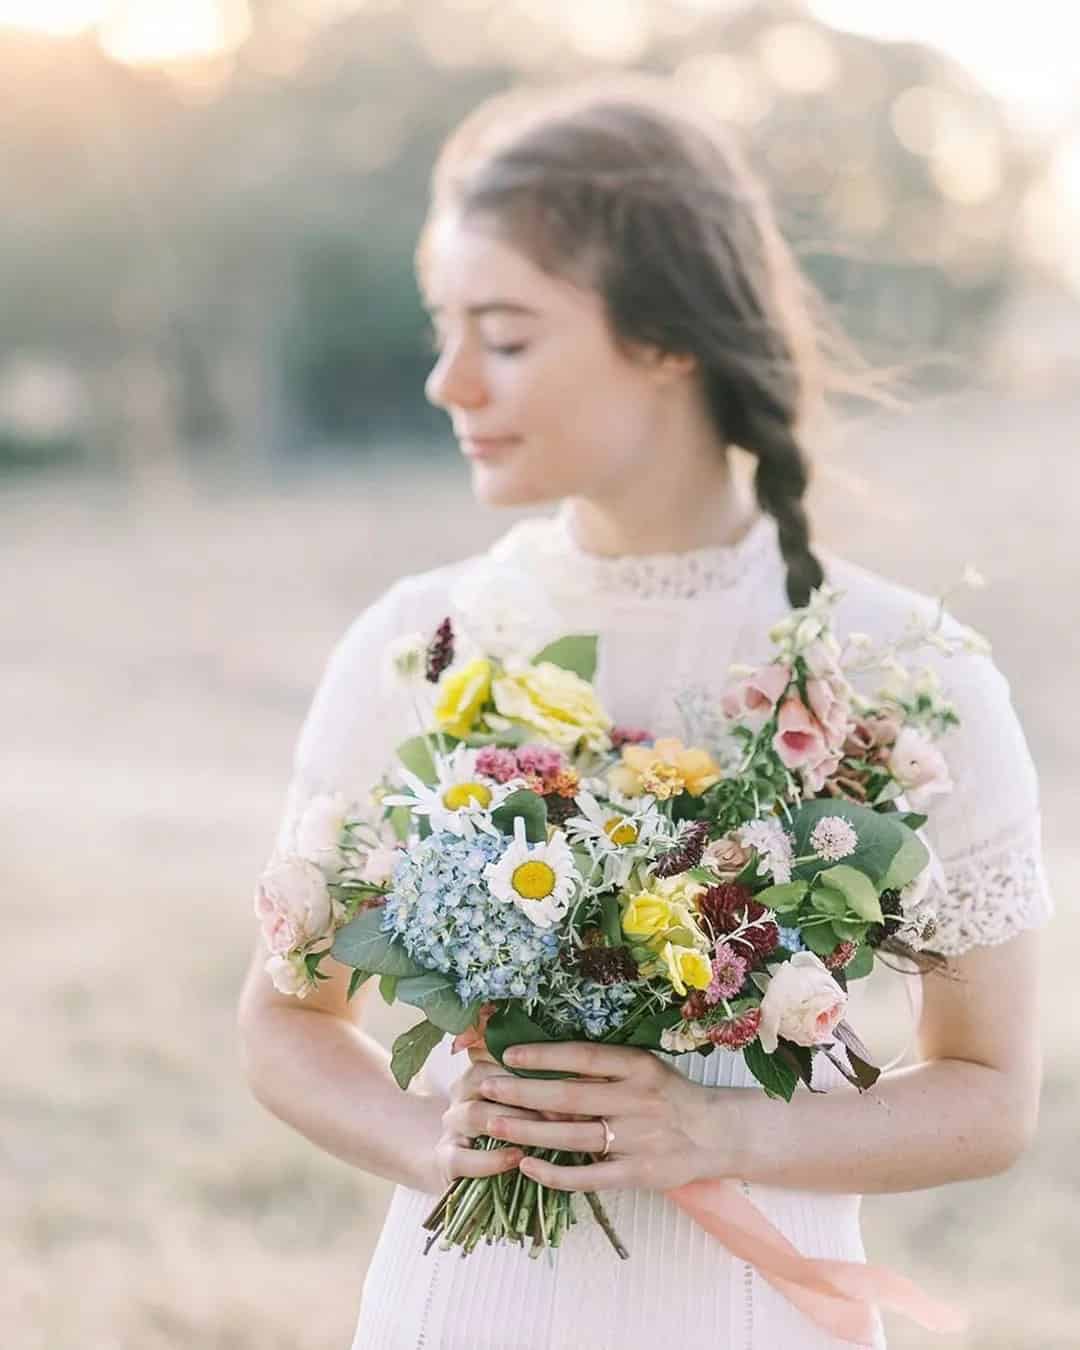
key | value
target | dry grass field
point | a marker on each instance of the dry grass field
(159, 645)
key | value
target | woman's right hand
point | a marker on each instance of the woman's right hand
(469, 1115)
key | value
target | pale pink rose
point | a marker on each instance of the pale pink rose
(292, 904)
(803, 1003)
(319, 831)
(830, 702)
(379, 865)
(799, 739)
(289, 975)
(919, 767)
(726, 857)
(752, 700)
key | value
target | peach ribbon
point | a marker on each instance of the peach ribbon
(838, 1295)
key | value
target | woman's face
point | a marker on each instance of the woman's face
(542, 402)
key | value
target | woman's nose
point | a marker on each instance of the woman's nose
(455, 381)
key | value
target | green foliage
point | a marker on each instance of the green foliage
(356, 979)
(411, 1049)
(362, 943)
(776, 1076)
(576, 653)
(511, 1025)
(861, 964)
(855, 888)
(646, 1031)
(415, 754)
(388, 987)
(886, 846)
(785, 898)
(434, 994)
(531, 807)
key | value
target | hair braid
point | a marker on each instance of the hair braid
(780, 482)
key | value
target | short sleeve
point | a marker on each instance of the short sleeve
(987, 831)
(356, 717)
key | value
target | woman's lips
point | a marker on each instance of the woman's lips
(486, 447)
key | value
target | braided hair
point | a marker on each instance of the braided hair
(621, 185)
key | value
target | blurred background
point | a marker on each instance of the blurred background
(214, 449)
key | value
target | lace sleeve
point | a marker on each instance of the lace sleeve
(987, 831)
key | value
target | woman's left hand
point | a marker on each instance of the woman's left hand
(657, 1117)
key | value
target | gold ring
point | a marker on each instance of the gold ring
(609, 1137)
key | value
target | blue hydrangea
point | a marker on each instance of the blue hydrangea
(791, 938)
(589, 1007)
(441, 909)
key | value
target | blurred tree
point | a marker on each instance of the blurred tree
(256, 232)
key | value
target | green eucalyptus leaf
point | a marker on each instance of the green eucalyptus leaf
(388, 987)
(411, 1049)
(880, 837)
(861, 964)
(415, 754)
(856, 888)
(576, 653)
(362, 943)
(829, 900)
(533, 810)
(908, 861)
(509, 1026)
(356, 979)
(783, 898)
(820, 938)
(434, 994)
(848, 930)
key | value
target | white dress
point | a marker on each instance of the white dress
(669, 625)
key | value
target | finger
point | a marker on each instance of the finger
(599, 1176)
(473, 1118)
(480, 1054)
(587, 1137)
(580, 1098)
(584, 1057)
(480, 1162)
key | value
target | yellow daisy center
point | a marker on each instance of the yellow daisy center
(620, 831)
(533, 880)
(464, 794)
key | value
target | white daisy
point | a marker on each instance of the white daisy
(618, 838)
(539, 878)
(461, 801)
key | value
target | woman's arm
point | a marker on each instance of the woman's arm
(312, 1066)
(969, 1109)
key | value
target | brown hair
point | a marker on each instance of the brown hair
(620, 185)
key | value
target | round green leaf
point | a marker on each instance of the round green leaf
(856, 888)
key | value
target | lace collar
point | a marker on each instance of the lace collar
(547, 544)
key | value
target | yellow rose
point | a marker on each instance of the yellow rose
(665, 768)
(559, 705)
(462, 695)
(686, 966)
(646, 915)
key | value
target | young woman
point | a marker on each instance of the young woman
(614, 311)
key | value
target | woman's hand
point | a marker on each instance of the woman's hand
(655, 1114)
(468, 1115)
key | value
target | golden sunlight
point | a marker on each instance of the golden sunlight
(139, 32)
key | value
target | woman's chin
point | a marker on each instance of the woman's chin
(495, 487)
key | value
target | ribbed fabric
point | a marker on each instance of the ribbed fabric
(670, 625)
(680, 1286)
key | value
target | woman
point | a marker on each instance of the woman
(614, 311)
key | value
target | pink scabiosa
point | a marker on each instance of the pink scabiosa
(833, 838)
(841, 955)
(728, 973)
(735, 1032)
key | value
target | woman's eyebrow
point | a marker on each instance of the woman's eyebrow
(491, 307)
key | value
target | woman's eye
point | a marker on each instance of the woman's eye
(510, 349)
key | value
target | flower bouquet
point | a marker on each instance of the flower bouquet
(530, 871)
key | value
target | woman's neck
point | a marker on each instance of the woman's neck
(668, 519)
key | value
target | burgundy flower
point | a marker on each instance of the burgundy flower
(841, 955)
(730, 907)
(687, 852)
(440, 651)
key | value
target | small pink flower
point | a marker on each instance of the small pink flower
(621, 736)
(830, 703)
(499, 764)
(752, 700)
(735, 1032)
(728, 973)
(815, 776)
(292, 904)
(919, 767)
(540, 760)
(799, 739)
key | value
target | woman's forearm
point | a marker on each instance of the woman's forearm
(936, 1122)
(331, 1081)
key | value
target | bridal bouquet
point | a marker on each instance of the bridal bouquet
(528, 871)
